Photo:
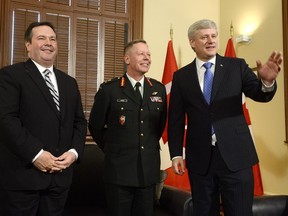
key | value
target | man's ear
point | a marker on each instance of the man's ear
(126, 59)
(27, 45)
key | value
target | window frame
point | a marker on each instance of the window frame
(285, 63)
(134, 20)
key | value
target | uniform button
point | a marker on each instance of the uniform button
(122, 108)
(142, 122)
(142, 134)
(141, 109)
(157, 108)
(142, 147)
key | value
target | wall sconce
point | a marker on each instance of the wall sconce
(243, 39)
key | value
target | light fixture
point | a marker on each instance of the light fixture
(243, 39)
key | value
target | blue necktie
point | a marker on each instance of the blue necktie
(208, 81)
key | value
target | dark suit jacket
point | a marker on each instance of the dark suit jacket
(129, 135)
(232, 77)
(29, 122)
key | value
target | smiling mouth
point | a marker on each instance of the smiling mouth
(48, 50)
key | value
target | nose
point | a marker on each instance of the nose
(48, 41)
(211, 39)
(147, 56)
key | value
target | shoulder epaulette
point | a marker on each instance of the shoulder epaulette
(111, 80)
(150, 80)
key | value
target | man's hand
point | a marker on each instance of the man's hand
(178, 166)
(45, 162)
(64, 161)
(269, 71)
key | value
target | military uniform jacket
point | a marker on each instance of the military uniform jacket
(129, 132)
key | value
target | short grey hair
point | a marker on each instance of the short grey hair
(201, 24)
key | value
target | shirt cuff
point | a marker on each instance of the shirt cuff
(176, 157)
(35, 158)
(75, 152)
(266, 88)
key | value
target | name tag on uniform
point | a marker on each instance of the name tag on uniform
(122, 100)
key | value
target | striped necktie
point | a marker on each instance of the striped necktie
(52, 89)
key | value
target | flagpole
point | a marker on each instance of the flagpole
(171, 33)
(231, 30)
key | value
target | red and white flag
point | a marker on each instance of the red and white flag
(169, 68)
(258, 187)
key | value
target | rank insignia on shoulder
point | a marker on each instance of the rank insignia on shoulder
(156, 99)
(122, 119)
(149, 82)
(154, 93)
(122, 81)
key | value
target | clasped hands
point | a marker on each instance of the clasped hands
(46, 162)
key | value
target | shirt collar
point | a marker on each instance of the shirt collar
(41, 68)
(133, 81)
(199, 63)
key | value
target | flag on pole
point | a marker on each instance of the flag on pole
(170, 67)
(258, 187)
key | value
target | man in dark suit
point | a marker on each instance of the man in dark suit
(219, 148)
(128, 128)
(40, 138)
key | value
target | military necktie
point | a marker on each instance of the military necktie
(137, 92)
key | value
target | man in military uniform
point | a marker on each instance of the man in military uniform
(127, 121)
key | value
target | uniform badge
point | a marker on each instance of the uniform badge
(156, 99)
(122, 119)
(154, 93)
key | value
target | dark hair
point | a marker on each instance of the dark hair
(28, 33)
(131, 43)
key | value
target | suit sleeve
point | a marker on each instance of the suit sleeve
(79, 125)
(176, 120)
(14, 135)
(252, 86)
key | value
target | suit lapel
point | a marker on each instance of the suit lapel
(37, 78)
(62, 89)
(193, 82)
(218, 76)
